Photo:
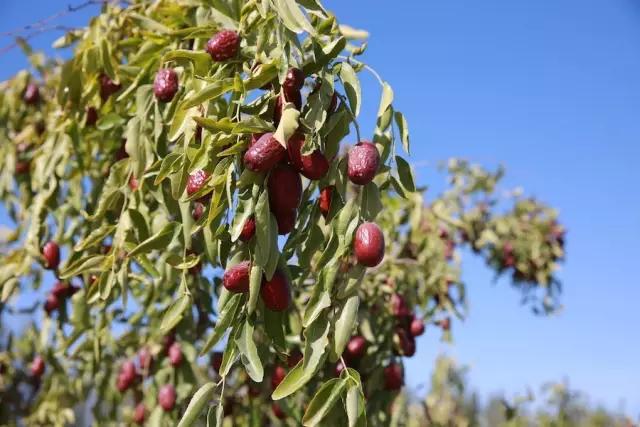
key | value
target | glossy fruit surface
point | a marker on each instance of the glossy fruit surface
(313, 166)
(51, 254)
(31, 94)
(417, 327)
(356, 347)
(393, 377)
(248, 230)
(139, 413)
(108, 87)
(236, 278)
(175, 354)
(278, 375)
(37, 366)
(324, 203)
(368, 244)
(276, 293)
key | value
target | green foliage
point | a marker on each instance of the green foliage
(114, 196)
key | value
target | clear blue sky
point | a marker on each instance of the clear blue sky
(551, 89)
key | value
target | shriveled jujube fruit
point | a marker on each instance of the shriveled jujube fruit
(362, 162)
(325, 200)
(167, 397)
(313, 166)
(276, 293)
(368, 244)
(165, 85)
(224, 45)
(248, 229)
(293, 96)
(236, 278)
(285, 188)
(196, 181)
(393, 377)
(51, 254)
(264, 154)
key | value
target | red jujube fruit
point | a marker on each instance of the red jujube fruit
(276, 293)
(264, 154)
(362, 163)
(236, 278)
(368, 244)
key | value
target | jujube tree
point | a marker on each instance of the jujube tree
(216, 230)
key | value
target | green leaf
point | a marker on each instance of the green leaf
(323, 401)
(110, 121)
(385, 110)
(91, 263)
(403, 127)
(95, 237)
(288, 123)
(201, 60)
(345, 323)
(294, 380)
(224, 125)
(274, 327)
(318, 302)
(160, 240)
(255, 280)
(371, 203)
(355, 404)
(197, 404)
(224, 321)
(351, 86)
(405, 174)
(210, 92)
(249, 353)
(292, 17)
(174, 312)
(263, 230)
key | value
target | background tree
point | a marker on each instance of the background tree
(215, 243)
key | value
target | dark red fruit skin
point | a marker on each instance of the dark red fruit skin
(64, 290)
(37, 367)
(122, 151)
(278, 375)
(325, 200)
(264, 154)
(91, 116)
(362, 163)
(399, 307)
(356, 348)
(278, 412)
(108, 87)
(196, 181)
(165, 85)
(417, 327)
(167, 341)
(393, 377)
(31, 94)
(51, 254)
(216, 361)
(52, 303)
(339, 368)
(167, 397)
(224, 45)
(236, 278)
(294, 358)
(368, 244)
(139, 414)
(286, 221)
(285, 189)
(198, 211)
(248, 229)
(175, 354)
(313, 166)
(276, 293)
(445, 324)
